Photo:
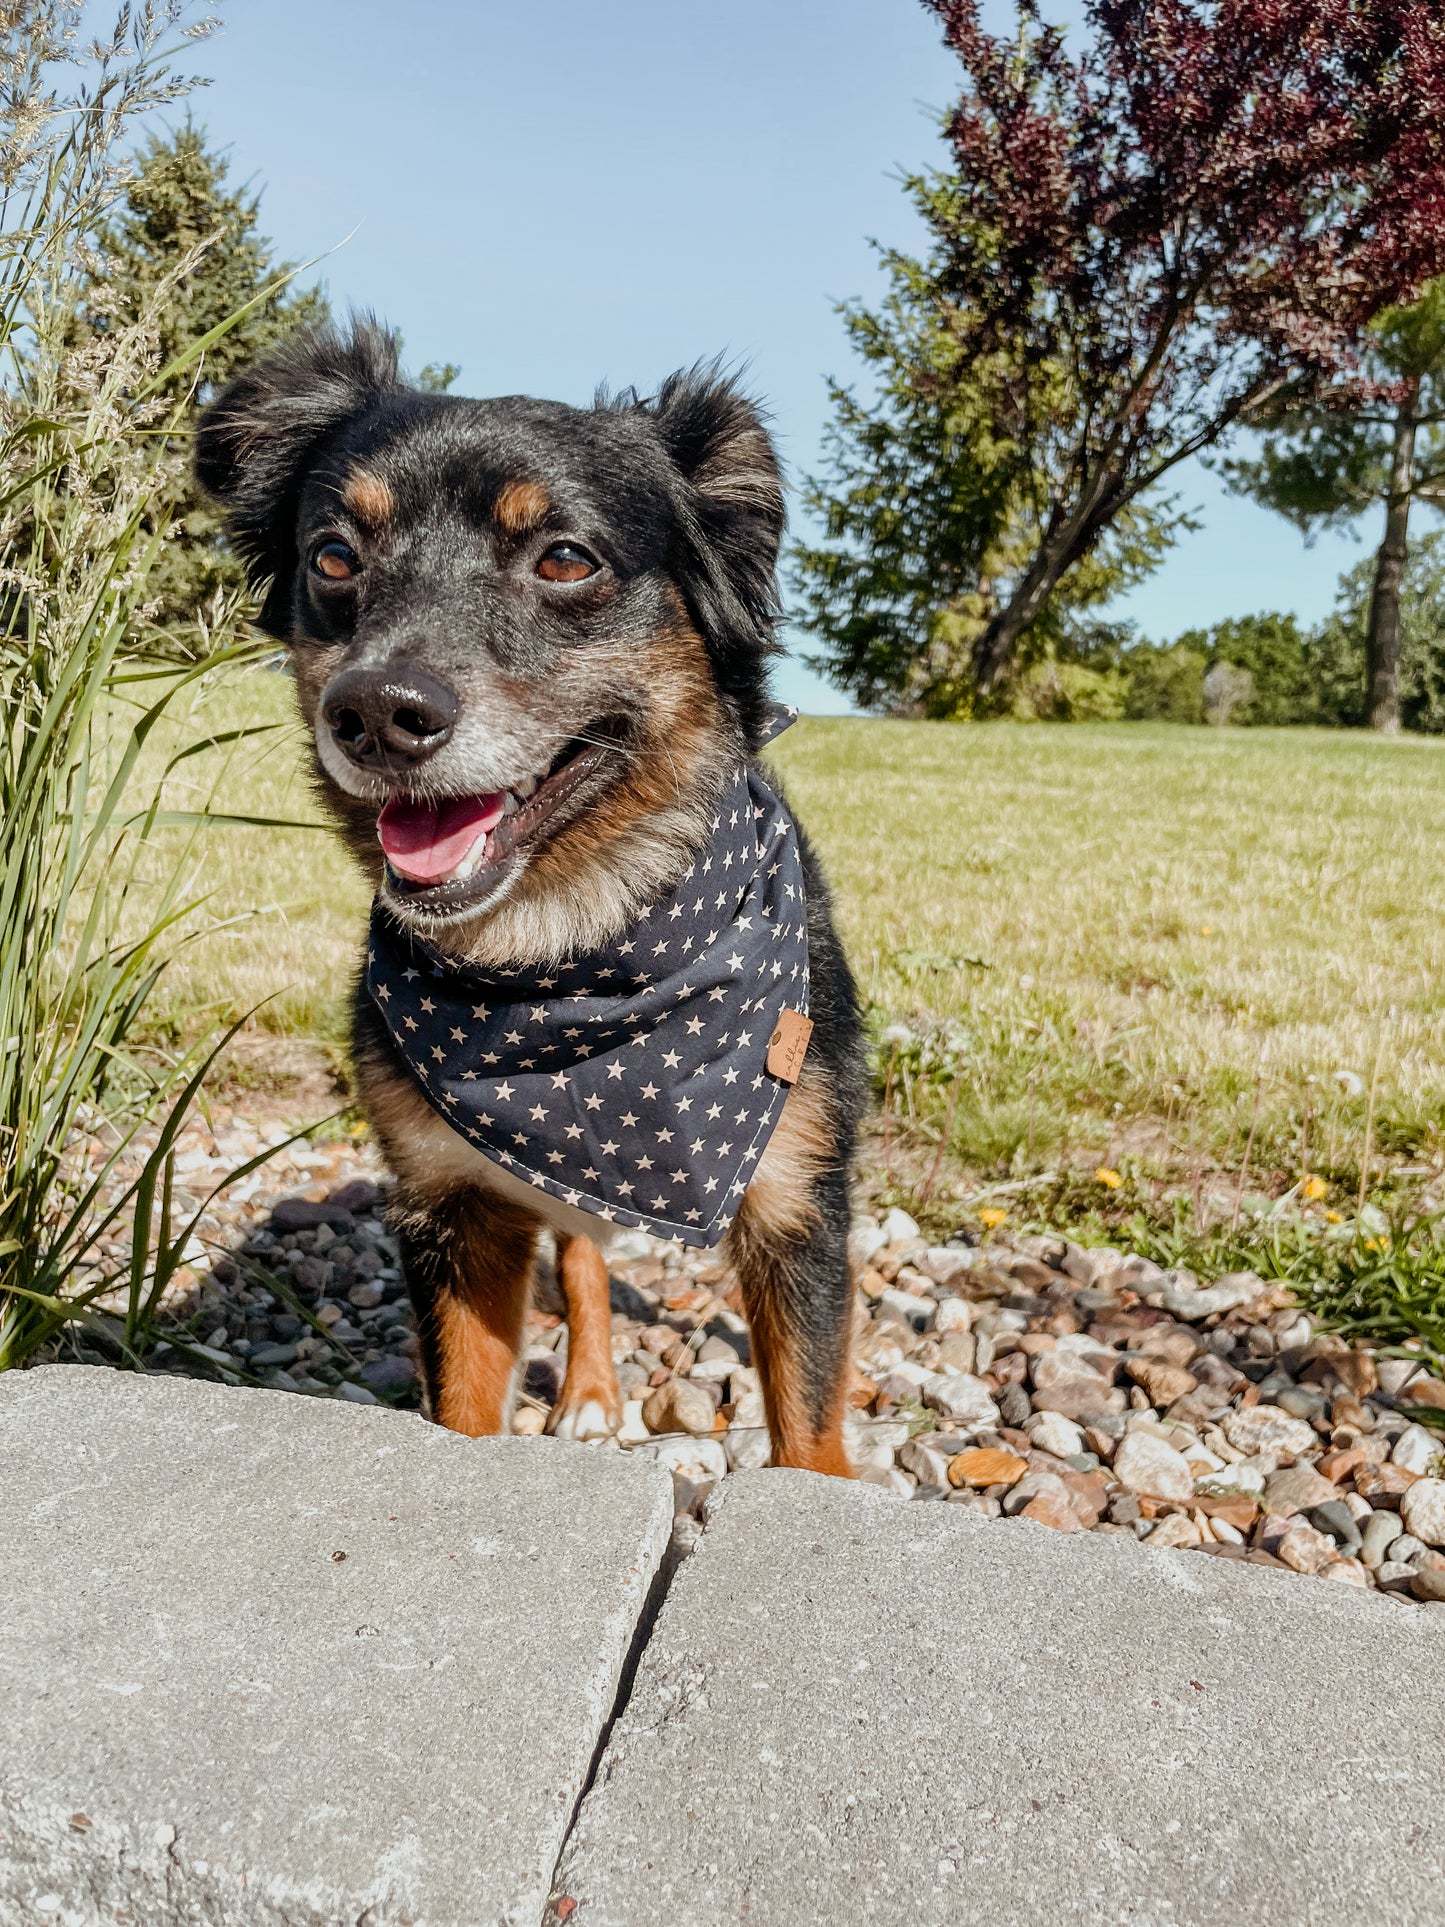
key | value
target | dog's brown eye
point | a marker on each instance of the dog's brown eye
(335, 561)
(565, 562)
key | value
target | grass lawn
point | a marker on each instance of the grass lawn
(1145, 943)
(283, 909)
(1145, 948)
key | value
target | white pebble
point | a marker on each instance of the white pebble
(1416, 1449)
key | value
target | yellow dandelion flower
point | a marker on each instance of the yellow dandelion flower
(992, 1217)
(1333, 1217)
(1313, 1188)
(1109, 1177)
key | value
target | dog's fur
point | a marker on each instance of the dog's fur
(660, 657)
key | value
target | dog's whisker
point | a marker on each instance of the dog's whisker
(603, 742)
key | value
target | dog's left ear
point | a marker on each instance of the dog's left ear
(731, 522)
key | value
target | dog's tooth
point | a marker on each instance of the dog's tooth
(510, 805)
(470, 861)
(525, 788)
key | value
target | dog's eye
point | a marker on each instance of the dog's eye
(565, 562)
(335, 561)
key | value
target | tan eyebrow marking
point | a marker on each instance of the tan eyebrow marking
(368, 498)
(520, 506)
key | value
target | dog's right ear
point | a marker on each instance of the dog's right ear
(255, 442)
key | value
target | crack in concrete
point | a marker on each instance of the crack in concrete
(560, 1906)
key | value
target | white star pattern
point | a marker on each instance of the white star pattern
(627, 1031)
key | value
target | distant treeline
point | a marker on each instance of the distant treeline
(1264, 669)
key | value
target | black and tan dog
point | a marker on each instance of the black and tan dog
(542, 634)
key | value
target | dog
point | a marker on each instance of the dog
(531, 643)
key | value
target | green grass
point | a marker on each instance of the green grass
(283, 909)
(1147, 948)
(1144, 948)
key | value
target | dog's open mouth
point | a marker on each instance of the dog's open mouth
(455, 849)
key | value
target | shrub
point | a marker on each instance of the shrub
(1165, 685)
(1271, 650)
(1067, 692)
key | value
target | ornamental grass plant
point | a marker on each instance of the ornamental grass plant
(96, 887)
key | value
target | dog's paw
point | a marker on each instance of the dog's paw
(585, 1416)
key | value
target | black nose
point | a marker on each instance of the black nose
(393, 716)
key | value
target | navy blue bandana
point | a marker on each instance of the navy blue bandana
(631, 1082)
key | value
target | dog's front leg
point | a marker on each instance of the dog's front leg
(789, 1242)
(468, 1261)
(590, 1405)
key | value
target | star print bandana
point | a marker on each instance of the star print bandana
(631, 1082)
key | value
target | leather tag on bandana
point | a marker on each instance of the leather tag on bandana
(788, 1045)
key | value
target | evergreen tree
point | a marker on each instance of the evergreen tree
(931, 501)
(179, 199)
(1328, 461)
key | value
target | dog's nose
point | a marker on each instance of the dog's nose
(389, 716)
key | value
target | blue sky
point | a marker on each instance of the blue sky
(558, 195)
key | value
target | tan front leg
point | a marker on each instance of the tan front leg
(590, 1405)
(468, 1261)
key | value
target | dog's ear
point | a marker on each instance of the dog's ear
(731, 523)
(255, 442)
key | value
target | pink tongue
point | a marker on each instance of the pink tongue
(426, 841)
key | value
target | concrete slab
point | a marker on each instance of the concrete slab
(287, 1662)
(857, 1710)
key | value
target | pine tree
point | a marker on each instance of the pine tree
(179, 199)
(932, 499)
(1326, 462)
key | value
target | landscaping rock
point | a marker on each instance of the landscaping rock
(1051, 1509)
(1181, 1295)
(1383, 1484)
(961, 1397)
(679, 1406)
(1381, 1531)
(1175, 1531)
(289, 1661)
(1416, 1449)
(985, 1466)
(1334, 1519)
(1423, 1510)
(1080, 1395)
(1299, 1488)
(1162, 1381)
(696, 1460)
(389, 1375)
(942, 1775)
(1146, 1465)
(1052, 1432)
(1261, 1428)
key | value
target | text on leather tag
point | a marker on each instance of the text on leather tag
(788, 1045)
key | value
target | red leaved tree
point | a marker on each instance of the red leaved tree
(1208, 204)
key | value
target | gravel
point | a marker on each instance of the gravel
(1084, 1389)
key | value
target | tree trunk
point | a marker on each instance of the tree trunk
(1383, 647)
(994, 649)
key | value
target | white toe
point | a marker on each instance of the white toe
(586, 1421)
